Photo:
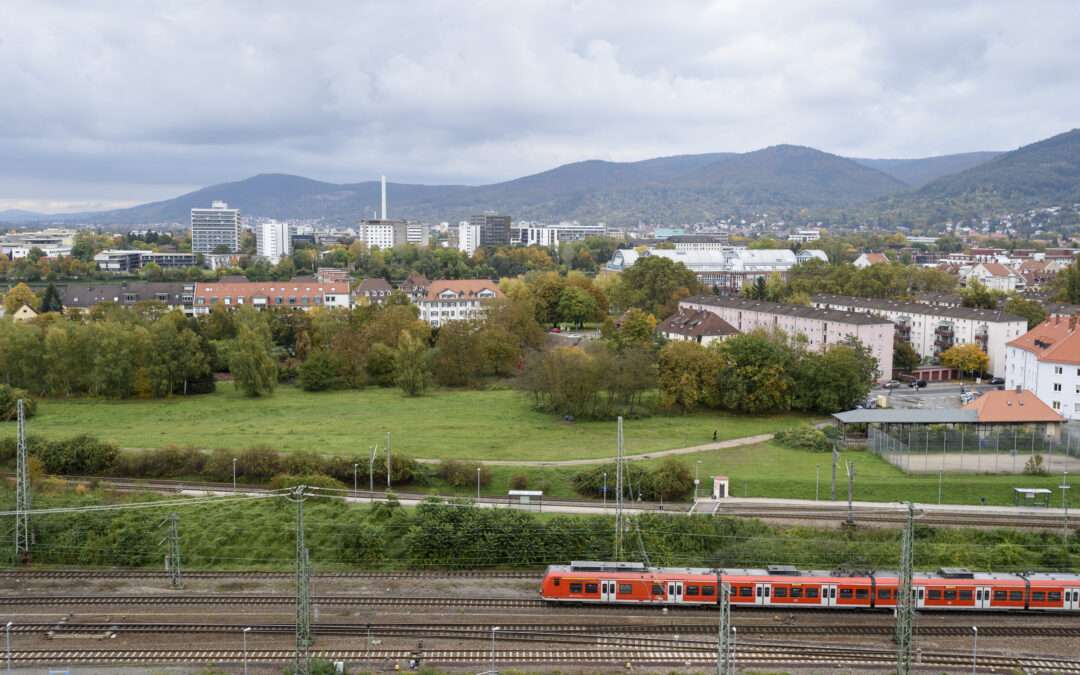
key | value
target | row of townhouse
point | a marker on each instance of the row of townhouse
(820, 327)
(931, 329)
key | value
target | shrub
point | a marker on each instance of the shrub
(9, 397)
(320, 371)
(672, 479)
(1035, 466)
(519, 482)
(804, 438)
(301, 463)
(590, 482)
(258, 463)
(170, 461)
(79, 455)
(461, 474)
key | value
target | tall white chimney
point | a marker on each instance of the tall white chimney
(384, 198)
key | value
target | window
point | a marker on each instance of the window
(657, 589)
(1016, 596)
(796, 592)
(934, 595)
(691, 590)
(861, 594)
(1053, 596)
(292, 299)
(1057, 386)
(558, 581)
(1056, 405)
(625, 589)
(845, 593)
(779, 592)
(746, 592)
(278, 300)
(1057, 370)
(999, 595)
(883, 594)
(575, 587)
(708, 591)
(811, 592)
(950, 595)
(965, 595)
(1038, 596)
(590, 588)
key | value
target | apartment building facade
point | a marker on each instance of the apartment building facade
(456, 300)
(301, 293)
(215, 228)
(1046, 361)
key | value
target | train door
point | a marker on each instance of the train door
(920, 596)
(828, 595)
(982, 597)
(675, 591)
(762, 593)
(607, 591)
(1072, 598)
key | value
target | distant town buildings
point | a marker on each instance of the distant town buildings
(700, 326)
(727, 269)
(494, 229)
(53, 242)
(552, 235)
(273, 241)
(468, 238)
(216, 229)
(867, 259)
(300, 293)
(122, 261)
(805, 236)
(372, 292)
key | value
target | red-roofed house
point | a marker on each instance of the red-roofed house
(695, 326)
(868, 259)
(456, 300)
(301, 293)
(1046, 361)
(996, 277)
(1010, 406)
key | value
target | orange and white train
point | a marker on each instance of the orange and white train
(785, 586)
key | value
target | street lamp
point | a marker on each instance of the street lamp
(605, 491)
(1065, 503)
(817, 482)
(245, 649)
(355, 470)
(697, 478)
(371, 473)
(477, 485)
(493, 629)
(974, 648)
(234, 474)
(7, 633)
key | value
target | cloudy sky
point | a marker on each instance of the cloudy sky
(105, 104)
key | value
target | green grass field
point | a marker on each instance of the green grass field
(490, 424)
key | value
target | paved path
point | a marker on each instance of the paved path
(719, 445)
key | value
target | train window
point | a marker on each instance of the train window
(780, 592)
(1038, 596)
(796, 592)
(965, 595)
(861, 594)
(811, 592)
(845, 593)
(746, 592)
(1000, 595)
(1053, 596)
(708, 590)
(657, 589)
(934, 595)
(950, 595)
(691, 590)
(575, 588)
(590, 588)
(759, 591)
(883, 594)
(557, 581)
(625, 589)
(1016, 596)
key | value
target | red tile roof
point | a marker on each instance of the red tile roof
(1055, 340)
(266, 289)
(997, 269)
(465, 288)
(876, 258)
(1010, 406)
(694, 323)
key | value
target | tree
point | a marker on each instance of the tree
(904, 356)
(176, 356)
(50, 301)
(756, 373)
(969, 358)
(320, 371)
(636, 328)
(18, 296)
(457, 359)
(686, 372)
(576, 305)
(1031, 310)
(412, 365)
(837, 379)
(977, 295)
(250, 361)
(654, 284)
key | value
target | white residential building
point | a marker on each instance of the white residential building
(821, 327)
(931, 329)
(867, 259)
(213, 227)
(468, 237)
(996, 277)
(805, 236)
(1046, 361)
(456, 300)
(272, 241)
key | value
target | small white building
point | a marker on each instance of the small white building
(805, 236)
(688, 325)
(272, 241)
(996, 277)
(456, 300)
(867, 259)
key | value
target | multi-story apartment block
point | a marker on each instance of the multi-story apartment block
(1046, 361)
(82, 297)
(996, 277)
(468, 239)
(215, 229)
(125, 261)
(821, 327)
(272, 241)
(456, 300)
(553, 235)
(494, 229)
(931, 329)
(301, 293)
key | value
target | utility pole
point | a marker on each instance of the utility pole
(172, 558)
(371, 472)
(1065, 504)
(905, 598)
(618, 490)
(835, 461)
(22, 492)
(388, 460)
(850, 492)
(302, 662)
(723, 635)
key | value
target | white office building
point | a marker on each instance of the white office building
(468, 237)
(217, 226)
(728, 268)
(272, 241)
(534, 234)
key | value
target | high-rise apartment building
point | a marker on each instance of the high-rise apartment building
(272, 241)
(217, 226)
(494, 230)
(468, 238)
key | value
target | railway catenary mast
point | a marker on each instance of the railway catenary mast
(302, 664)
(618, 490)
(905, 597)
(22, 491)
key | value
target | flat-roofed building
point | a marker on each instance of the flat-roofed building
(215, 229)
(727, 269)
(123, 261)
(821, 327)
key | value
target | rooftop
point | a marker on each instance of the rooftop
(1055, 340)
(915, 308)
(465, 288)
(695, 323)
(1012, 406)
(832, 315)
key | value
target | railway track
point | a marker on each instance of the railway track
(270, 600)
(765, 655)
(254, 574)
(590, 631)
(886, 516)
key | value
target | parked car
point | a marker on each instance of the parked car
(917, 384)
(997, 380)
(556, 329)
(891, 384)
